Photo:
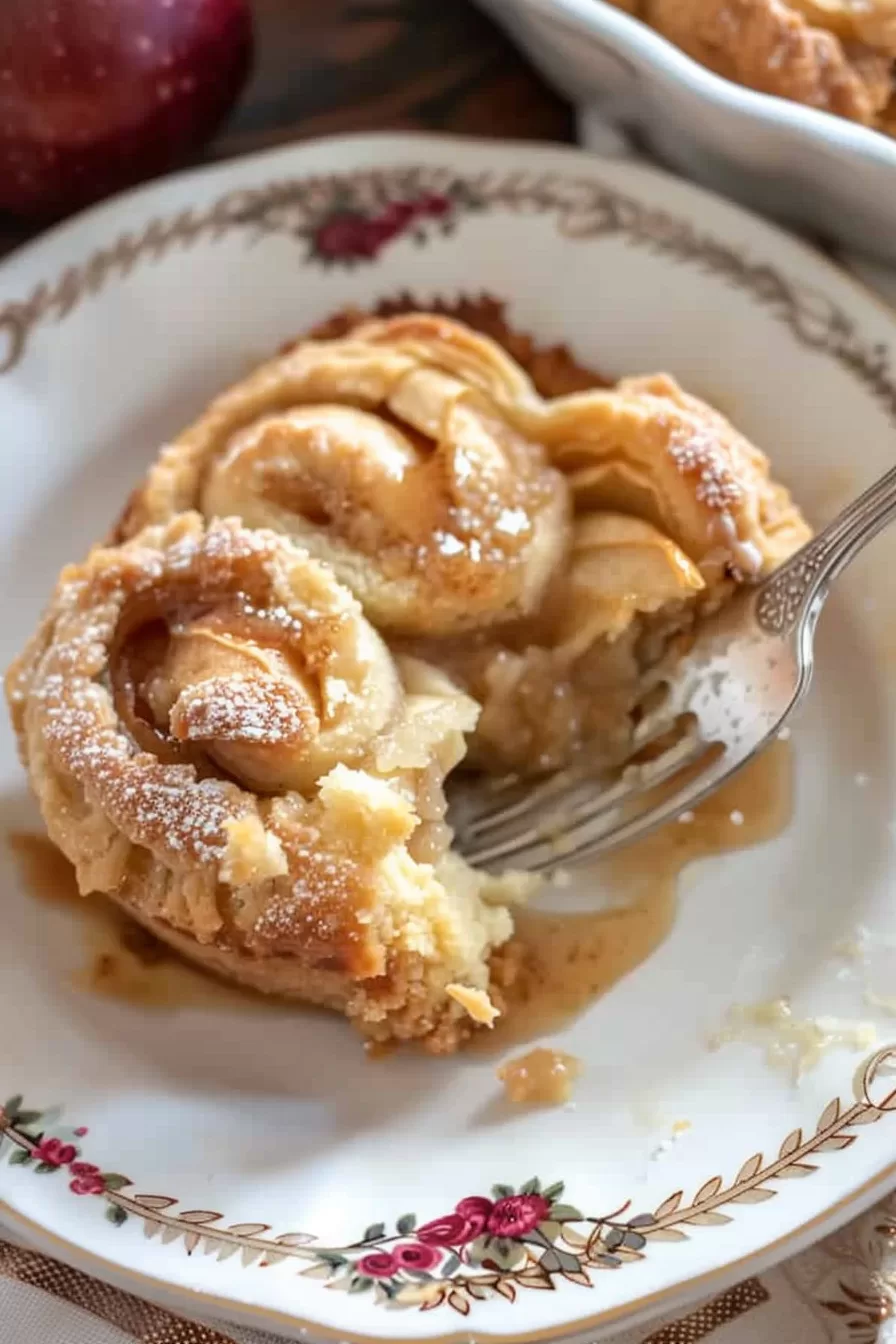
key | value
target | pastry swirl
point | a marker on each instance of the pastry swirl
(383, 554)
(387, 454)
(411, 454)
(648, 449)
(506, 532)
(220, 741)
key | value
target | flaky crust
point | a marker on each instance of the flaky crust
(689, 469)
(244, 740)
(308, 886)
(386, 454)
(670, 506)
(650, 449)
(324, 443)
(423, 427)
(833, 56)
(553, 370)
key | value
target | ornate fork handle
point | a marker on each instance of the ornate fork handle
(801, 585)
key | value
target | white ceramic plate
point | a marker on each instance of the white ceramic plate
(264, 1137)
(822, 173)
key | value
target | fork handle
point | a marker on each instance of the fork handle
(801, 584)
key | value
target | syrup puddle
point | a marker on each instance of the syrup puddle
(123, 961)
(542, 1077)
(570, 959)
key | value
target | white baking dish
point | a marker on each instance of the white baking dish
(821, 173)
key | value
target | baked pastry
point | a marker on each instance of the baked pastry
(649, 449)
(387, 455)
(384, 555)
(411, 454)
(220, 741)
(835, 55)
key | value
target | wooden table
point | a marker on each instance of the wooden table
(328, 66)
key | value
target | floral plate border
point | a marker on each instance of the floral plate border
(347, 219)
(495, 1245)
(486, 1246)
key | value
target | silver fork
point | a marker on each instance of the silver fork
(748, 669)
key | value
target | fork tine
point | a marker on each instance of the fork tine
(533, 847)
(527, 797)
(571, 783)
(524, 821)
(725, 764)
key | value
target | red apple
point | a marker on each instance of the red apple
(99, 94)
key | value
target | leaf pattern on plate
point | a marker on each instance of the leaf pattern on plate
(515, 1238)
(349, 219)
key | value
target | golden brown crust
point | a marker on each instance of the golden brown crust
(669, 500)
(220, 739)
(643, 452)
(553, 369)
(827, 54)
(650, 449)
(167, 677)
(644, 447)
(388, 455)
(320, 469)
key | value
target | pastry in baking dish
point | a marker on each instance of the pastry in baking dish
(389, 553)
(834, 55)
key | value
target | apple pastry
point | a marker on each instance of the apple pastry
(221, 741)
(400, 548)
(835, 55)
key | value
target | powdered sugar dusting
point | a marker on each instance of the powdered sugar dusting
(161, 807)
(243, 709)
(316, 905)
(443, 497)
(187, 547)
(696, 452)
(276, 615)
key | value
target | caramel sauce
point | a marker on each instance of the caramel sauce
(123, 960)
(543, 1077)
(571, 959)
(380, 1049)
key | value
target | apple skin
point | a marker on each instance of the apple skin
(96, 95)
